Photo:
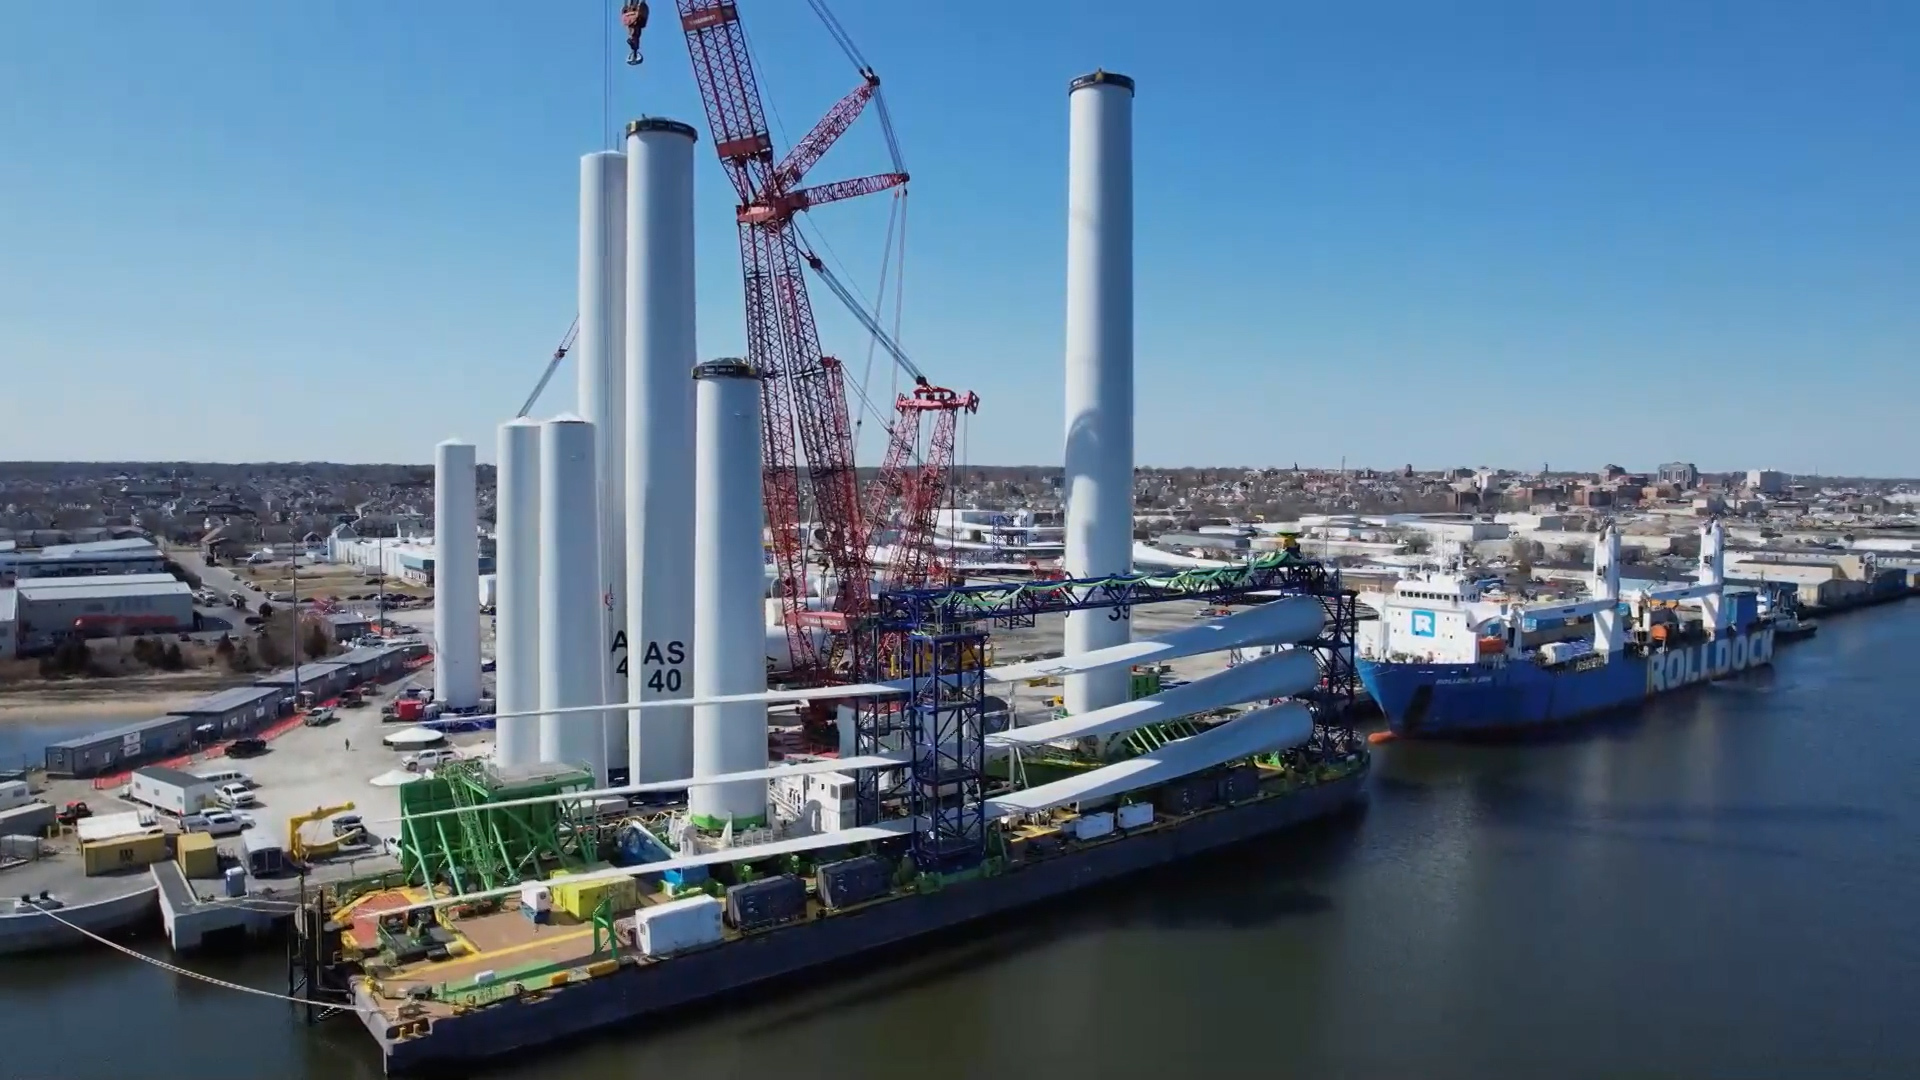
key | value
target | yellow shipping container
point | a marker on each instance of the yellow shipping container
(198, 855)
(124, 853)
(578, 899)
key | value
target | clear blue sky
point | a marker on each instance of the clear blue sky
(1491, 233)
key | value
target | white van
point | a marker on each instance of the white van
(223, 777)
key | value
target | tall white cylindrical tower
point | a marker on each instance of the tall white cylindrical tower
(1099, 450)
(659, 467)
(570, 606)
(1608, 633)
(1713, 571)
(729, 628)
(601, 354)
(456, 577)
(516, 566)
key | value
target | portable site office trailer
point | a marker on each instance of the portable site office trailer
(14, 793)
(323, 680)
(120, 748)
(235, 711)
(176, 792)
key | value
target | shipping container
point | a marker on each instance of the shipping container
(853, 881)
(1134, 815)
(665, 929)
(197, 854)
(1186, 796)
(1092, 826)
(33, 819)
(767, 902)
(124, 852)
(1238, 783)
(580, 898)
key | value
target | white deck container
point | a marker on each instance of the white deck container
(664, 929)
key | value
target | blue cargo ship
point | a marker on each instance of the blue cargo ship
(1451, 660)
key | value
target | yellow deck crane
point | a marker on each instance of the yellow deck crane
(299, 850)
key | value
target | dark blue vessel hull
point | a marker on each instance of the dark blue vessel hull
(1439, 700)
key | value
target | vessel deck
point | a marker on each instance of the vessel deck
(506, 941)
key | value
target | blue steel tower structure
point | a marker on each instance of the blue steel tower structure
(942, 634)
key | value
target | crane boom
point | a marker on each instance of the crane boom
(804, 389)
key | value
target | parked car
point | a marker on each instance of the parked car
(246, 747)
(428, 759)
(217, 823)
(320, 717)
(234, 796)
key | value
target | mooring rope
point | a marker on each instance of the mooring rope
(208, 979)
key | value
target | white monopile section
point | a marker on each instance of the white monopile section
(456, 577)
(1607, 632)
(1713, 571)
(1099, 450)
(603, 402)
(571, 641)
(516, 560)
(659, 465)
(729, 631)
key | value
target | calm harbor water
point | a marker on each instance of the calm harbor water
(1723, 884)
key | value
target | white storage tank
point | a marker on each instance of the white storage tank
(1134, 815)
(664, 929)
(1092, 826)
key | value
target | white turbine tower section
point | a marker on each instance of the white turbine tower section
(603, 397)
(1713, 571)
(1099, 449)
(456, 577)
(1607, 632)
(571, 641)
(516, 562)
(659, 476)
(729, 627)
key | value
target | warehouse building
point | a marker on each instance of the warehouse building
(129, 556)
(323, 680)
(120, 748)
(409, 560)
(103, 607)
(1210, 541)
(233, 712)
